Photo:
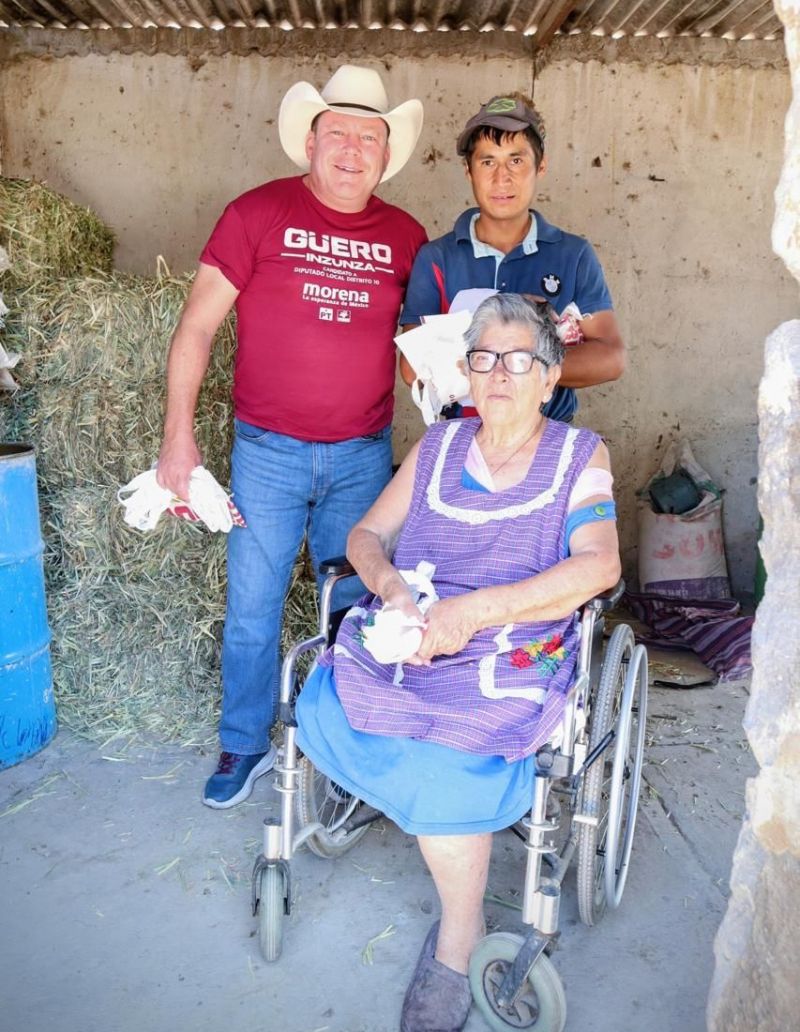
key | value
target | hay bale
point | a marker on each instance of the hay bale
(93, 378)
(99, 328)
(48, 237)
(131, 657)
(136, 618)
(84, 529)
(140, 651)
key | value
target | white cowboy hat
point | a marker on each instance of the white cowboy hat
(353, 91)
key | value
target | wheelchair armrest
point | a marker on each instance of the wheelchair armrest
(336, 567)
(607, 599)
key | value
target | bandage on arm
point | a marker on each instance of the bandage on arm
(592, 481)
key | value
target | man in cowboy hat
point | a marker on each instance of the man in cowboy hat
(316, 266)
(504, 245)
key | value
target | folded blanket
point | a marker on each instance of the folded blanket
(711, 628)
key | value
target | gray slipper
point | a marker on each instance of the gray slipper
(438, 999)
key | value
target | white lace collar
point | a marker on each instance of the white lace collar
(478, 517)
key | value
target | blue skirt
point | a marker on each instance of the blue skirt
(424, 787)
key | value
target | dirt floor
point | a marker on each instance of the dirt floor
(126, 902)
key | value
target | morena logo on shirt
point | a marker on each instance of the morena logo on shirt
(341, 295)
(340, 252)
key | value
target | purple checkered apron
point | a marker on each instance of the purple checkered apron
(503, 694)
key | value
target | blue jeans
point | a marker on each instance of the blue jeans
(285, 489)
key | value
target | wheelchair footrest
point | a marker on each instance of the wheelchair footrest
(364, 815)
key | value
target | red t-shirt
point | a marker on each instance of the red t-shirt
(320, 291)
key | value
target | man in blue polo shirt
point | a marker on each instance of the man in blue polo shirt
(505, 245)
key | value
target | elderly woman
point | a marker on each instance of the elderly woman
(514, 511)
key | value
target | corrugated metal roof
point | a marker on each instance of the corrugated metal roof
(541, 19)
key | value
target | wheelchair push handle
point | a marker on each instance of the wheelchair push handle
(336, 567)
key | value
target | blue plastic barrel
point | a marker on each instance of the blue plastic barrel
(27, 707)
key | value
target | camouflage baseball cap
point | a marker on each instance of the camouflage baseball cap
(509, 114)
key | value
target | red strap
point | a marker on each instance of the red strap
(438, 275)
(468, 410)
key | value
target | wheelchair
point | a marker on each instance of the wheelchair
(593, 765)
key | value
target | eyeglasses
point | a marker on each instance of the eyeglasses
(515, 362)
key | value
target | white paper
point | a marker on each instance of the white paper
(435, 350)
(468, 300)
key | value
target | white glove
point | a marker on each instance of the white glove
(393, 636)
(144, 500)
(427, 400)
(209, 500)
(8, 359)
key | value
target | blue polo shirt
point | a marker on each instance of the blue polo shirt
(559, 266)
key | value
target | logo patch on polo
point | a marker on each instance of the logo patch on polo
(551, 284)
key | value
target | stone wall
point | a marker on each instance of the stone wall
(755, 983)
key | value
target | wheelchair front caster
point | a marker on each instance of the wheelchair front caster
(271, 912)
(540, 1007)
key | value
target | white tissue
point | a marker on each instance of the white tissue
(393, 637)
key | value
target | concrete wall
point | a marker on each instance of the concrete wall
(664, 153)
(670, 170)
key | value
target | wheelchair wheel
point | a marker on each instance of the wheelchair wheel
(595, 799)
(626, 776)
(271, 913)
(320, 800)
(540, 1007)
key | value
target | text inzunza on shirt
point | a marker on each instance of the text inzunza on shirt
(336, 251)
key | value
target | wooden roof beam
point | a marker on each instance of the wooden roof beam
(555, 17)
